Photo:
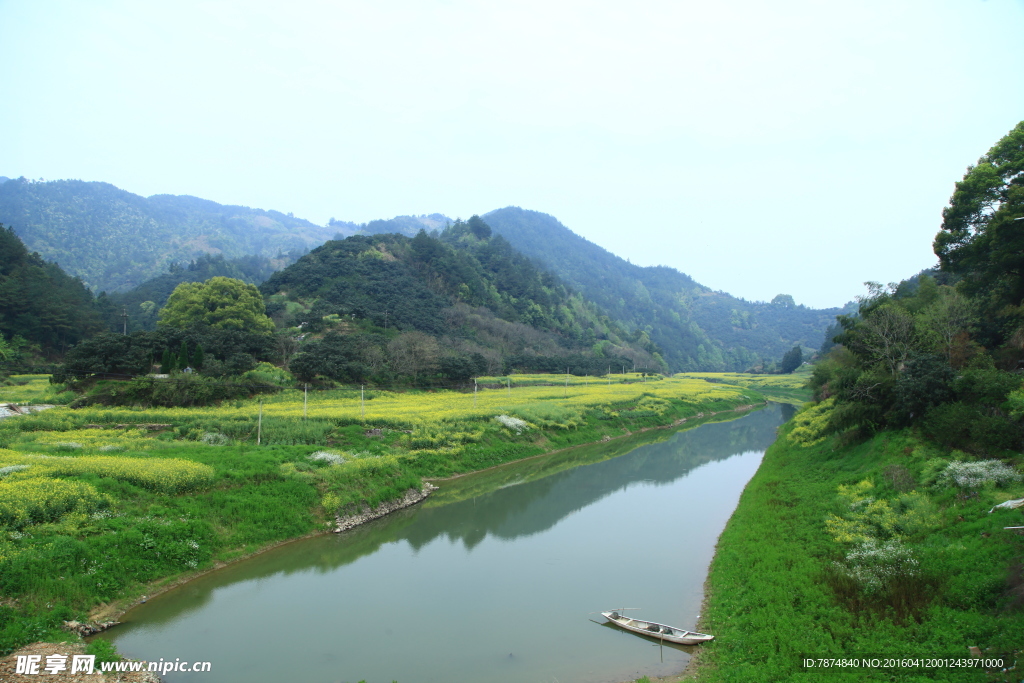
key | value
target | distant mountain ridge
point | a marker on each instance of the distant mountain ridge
(696, 327)
(115, 240)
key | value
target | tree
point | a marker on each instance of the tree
(784, 300)
(220, 302)
(478, 227)
(982, 236)
(412, 353)
(792, 360)
(183, 356)
(198, 357)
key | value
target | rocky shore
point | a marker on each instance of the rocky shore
(411, 497)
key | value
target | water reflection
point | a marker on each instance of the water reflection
(527, 498)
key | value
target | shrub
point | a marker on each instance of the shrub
(874, 565)
(811, 425)
(4, 471)
(971, 475)
(171, 475)
(512, 423)
(34, 501)
(215, 439)
(327, 457)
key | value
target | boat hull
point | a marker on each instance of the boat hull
(652, 629)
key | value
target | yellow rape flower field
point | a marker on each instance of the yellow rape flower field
(420, 407)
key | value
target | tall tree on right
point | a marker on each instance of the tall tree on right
(982, 235)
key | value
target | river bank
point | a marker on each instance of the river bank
(945, 585)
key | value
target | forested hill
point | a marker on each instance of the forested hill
(468, 289)
(115, 240)
(696, 327)
(43, 311)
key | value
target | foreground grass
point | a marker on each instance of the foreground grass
(112, 507)
(775, 597)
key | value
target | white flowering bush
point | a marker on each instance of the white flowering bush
(513, 423)
(67, 446)
(874, 565)
(328, 457)
(4, 471)
(972, 475)
(215, 439)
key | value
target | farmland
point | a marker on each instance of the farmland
(103, 504)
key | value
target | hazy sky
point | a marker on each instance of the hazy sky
(795, 146)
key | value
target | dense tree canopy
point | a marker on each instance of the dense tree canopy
(982, 236)
(39, 302)
(220, 302)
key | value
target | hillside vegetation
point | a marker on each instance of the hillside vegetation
(464, 303)
(696, 328)
(43, 311)
(115, 240)
(137, 249)
(892, 501)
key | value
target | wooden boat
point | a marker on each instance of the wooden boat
(655, 630)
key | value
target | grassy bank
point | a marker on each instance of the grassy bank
(98, 503)
(867, 549)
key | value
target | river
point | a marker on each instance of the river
(492, 580)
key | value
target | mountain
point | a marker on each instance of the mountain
(469, 290)
(118, 241)
(697, 328)
(115, 240)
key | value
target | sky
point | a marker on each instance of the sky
(797, 146)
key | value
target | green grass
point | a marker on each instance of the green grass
(775, 597)
(29, 389)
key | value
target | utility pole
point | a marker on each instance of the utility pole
(362, 399)
(305, 400)
(259, 425)
(474, 393)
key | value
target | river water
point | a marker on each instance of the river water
(491, 580)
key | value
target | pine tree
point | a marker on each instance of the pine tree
(792, 360)
(183, 359)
